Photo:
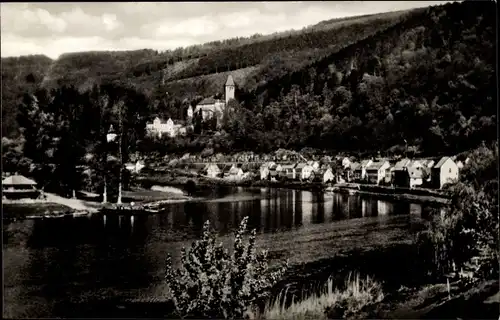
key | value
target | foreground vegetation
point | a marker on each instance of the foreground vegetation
(329, 303)
(463, 239)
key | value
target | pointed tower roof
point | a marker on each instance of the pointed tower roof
(230, 81)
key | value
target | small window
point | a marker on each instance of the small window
(450, 170)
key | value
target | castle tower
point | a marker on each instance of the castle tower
(229, 88)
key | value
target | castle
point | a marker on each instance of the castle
(210, 107)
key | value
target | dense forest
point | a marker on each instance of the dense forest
(427, 83)
(429, 80)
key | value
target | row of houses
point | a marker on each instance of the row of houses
(408, 173)
(311, 171)
(306, 171)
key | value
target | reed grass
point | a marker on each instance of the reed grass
(356, 294)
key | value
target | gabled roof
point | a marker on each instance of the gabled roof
(212, 166)
(401, 164)
(230, 81)
(18, 180)
(301, 165)
(441, 162)
(376, 165)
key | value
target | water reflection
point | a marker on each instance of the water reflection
(71, 257)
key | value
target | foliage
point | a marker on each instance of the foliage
(63, 133)
(330, 303)
(465, 235)
(213, 283)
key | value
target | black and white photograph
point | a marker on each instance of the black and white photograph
(250, 160)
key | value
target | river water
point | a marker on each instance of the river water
(53, 262)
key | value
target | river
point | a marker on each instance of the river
(53, 263)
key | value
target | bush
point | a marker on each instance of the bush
(213, 283)
(330, 303)
(465, 235)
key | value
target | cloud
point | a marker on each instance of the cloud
(55, 28)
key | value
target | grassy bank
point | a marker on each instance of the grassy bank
(329, 302)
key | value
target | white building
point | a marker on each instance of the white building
(169, 128)
(210, 107)
(445, 171)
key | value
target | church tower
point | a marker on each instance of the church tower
(229, 88)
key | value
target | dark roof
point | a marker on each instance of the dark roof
(18, 180)
(207, 101)
(230, 81)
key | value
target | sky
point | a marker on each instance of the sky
(55, 28)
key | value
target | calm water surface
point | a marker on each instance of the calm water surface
(47, 262)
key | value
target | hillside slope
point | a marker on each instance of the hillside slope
(20, 75)
(429, 80)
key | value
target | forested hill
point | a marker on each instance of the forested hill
(425, 79)
(429, 80)
(187, 73)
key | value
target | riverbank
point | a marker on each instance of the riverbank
(392, 193)
(419, 195)
(55, 206)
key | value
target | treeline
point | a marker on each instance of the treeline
(429, 81)
(63, 132)
(427, 84)
(19, 75)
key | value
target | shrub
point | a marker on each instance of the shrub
(330, 303)
(465, 235)
(213, 283)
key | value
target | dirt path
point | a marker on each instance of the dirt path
(75, 204)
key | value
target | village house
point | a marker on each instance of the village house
(325, 175)
(234, 173)
(445, 171)
(416, 176)
(288, 171)
(359, 170)
(375, 171)
(353, 172)
(212, 170)
(399, 173)
(417, 172)
(264, 170)
(19, 187)
(303, 171)
(210, 107)
(346, 162)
